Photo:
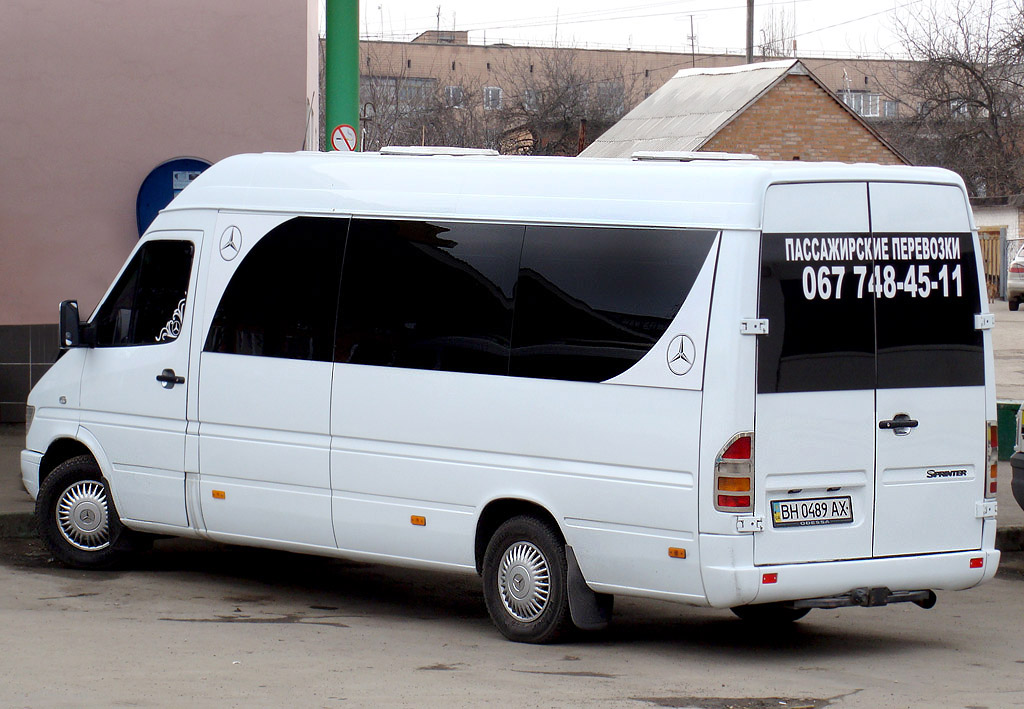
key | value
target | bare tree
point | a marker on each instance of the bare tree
(534, 102)
(548, 95)
(966, 79)
(776, 34)
(401, 109)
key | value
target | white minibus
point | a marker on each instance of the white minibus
(731, 383)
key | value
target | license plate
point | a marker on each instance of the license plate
(812, 511)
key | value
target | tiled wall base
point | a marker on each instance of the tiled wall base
(26, 352)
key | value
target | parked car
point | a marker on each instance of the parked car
(1017, 459)
(1015, 281)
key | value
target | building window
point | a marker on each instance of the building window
(492, 98)
(406, 92)
(611, 97)
(863, 103)
(890, 109)
(531, 99)
(453, 96)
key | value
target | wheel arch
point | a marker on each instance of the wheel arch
(61, 450)
(499, 510)
(67, 447)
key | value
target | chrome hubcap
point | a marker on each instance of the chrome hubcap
(82, 516)
(524, 581)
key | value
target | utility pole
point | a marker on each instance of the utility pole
(750, 31)
(693, 40)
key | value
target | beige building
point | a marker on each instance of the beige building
(96, 95)
(490, 75)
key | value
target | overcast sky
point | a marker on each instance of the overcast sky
(822, 26)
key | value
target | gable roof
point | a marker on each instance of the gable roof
(696, 104)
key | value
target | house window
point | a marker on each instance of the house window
(863, 103)
(453, 96)
(531, 99)
(890, 109)
(492, 98)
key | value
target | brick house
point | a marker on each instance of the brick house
(775, 110)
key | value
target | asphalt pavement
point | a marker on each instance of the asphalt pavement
(16, 507)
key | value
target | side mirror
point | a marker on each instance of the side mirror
(70, 326)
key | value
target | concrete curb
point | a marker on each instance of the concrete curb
(17, 525)
(20, 525)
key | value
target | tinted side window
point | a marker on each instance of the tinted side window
(591, 301)
(147, 304)
(926, 302)
(820, 310)
(428, 295)
(281, 300)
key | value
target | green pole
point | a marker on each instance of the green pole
(341, 62)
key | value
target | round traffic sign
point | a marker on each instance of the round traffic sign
(343, 137)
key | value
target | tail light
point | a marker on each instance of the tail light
(993, 459)
(734, 475)
(1016, 268)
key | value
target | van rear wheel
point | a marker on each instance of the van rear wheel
(1014, 304)
(524, 575)
(770, 613)
(76, 518)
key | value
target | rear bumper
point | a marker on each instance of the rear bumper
(1017, 482)
(1014, 289)
(739, 584)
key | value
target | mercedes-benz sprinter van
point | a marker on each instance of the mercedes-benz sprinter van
(740, 384)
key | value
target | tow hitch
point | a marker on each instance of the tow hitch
(869, 597)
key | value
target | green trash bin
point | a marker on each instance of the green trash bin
(1007, 419)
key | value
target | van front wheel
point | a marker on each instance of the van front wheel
(75, 516)
(524, 574)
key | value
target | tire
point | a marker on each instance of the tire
(524, 577)
(76, 518)
(770, 613)
(1014, 304)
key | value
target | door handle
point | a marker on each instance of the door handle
(168, 379)
(900, 424)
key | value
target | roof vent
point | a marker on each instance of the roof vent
(434, 150)
(688, 156)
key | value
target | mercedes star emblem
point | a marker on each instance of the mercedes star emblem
(681, 354)
(230, 243)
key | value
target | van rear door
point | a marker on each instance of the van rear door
(931, 370)
(814, 441)
(871, 399)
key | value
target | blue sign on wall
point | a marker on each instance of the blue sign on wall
(162, 185)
